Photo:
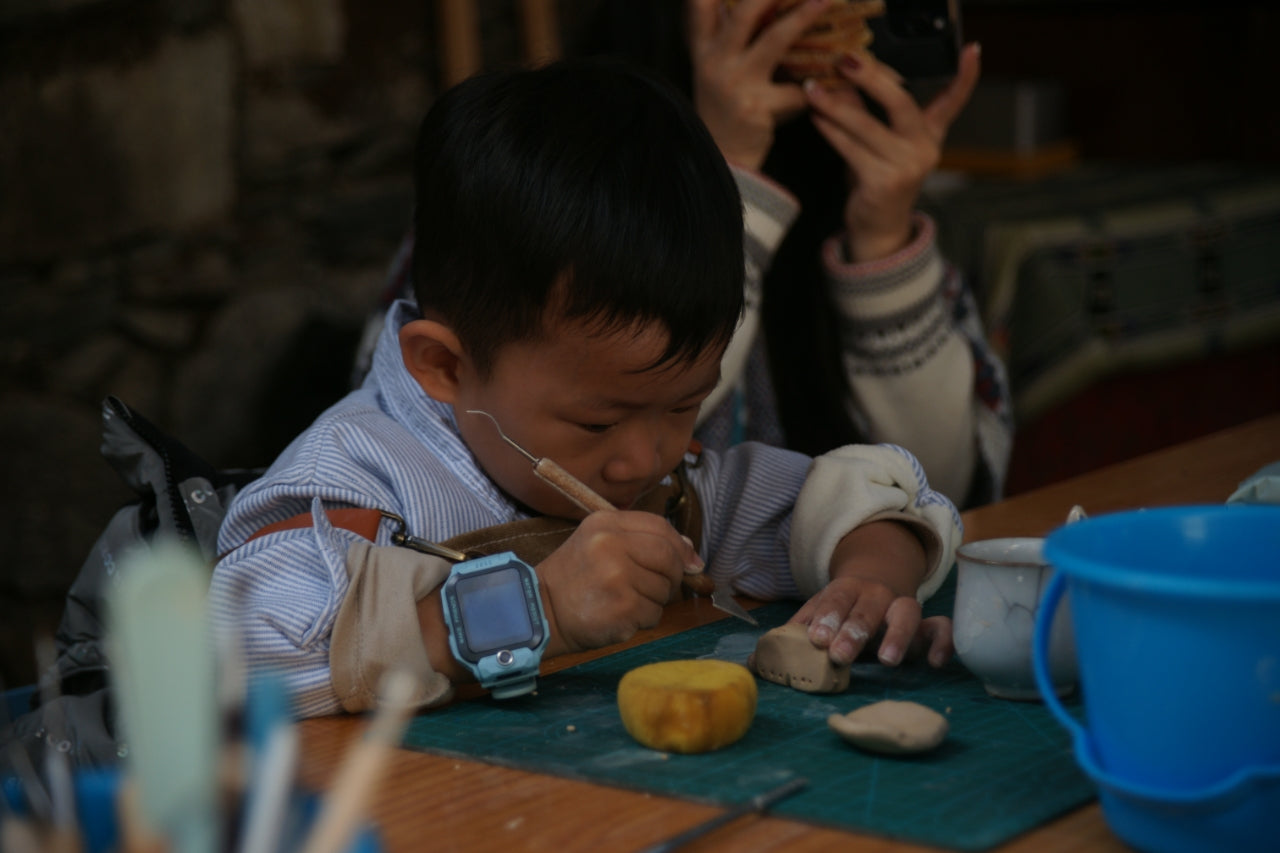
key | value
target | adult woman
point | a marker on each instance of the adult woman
(856, 329)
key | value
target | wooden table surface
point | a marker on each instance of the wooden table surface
(448, 804)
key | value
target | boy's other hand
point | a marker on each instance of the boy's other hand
(847, 616)
(850, 611)
(613, 577)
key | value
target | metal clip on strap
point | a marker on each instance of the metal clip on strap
(400, 537)
(364, 522)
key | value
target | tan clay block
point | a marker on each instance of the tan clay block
(785, 656)
(892, 727)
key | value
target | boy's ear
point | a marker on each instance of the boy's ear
(432, 353)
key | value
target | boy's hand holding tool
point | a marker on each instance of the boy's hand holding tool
(616, 572)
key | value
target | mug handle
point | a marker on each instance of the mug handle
(1040, 654)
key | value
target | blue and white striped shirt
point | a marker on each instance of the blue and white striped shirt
(389, 446)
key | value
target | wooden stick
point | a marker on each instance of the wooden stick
(344, 805)
(541, 34)
(459, 40)
(570, 486)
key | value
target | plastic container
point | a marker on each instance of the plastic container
(1176, 614)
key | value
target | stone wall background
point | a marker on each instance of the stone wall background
(198, 202)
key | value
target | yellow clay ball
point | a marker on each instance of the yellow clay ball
(687, 705)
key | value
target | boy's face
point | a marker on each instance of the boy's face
(576, 396)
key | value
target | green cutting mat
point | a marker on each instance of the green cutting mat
(1006, 767)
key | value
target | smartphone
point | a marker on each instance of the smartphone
(920, 39)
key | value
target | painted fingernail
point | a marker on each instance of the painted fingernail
(850, 62)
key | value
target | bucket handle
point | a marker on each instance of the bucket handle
(1216, 795)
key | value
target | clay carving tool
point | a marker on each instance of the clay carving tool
(588, 501)
(161, 648)
(550, 472)
(757, 804)
(722, 598)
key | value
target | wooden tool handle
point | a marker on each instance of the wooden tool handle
(699, 584)
(570, 486)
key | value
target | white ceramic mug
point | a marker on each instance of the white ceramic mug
(999, 585)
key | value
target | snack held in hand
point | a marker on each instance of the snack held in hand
(687, 705)
(786, 656)
(842, 29)
(892, 727)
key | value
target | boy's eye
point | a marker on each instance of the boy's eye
(596, 428)
(683, 410)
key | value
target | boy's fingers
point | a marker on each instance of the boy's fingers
(693, 562)
(901, 621)
(649, 542)
(937, 631)
(844, 624)
(849, 641)
(653, 586)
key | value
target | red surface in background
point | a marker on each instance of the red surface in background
(1129, 414)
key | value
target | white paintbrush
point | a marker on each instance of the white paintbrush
(162, 652)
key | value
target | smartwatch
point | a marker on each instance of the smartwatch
(496, 625)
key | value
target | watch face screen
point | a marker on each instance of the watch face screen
(495, 611)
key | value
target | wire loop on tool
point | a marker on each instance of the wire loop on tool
(503, 435)
(553, 475)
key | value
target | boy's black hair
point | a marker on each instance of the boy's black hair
(587, 185)
(798, 311)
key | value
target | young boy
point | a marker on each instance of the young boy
(579, 272)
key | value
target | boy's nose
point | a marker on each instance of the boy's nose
(638, 458)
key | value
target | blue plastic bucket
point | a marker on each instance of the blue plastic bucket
(1176, 613)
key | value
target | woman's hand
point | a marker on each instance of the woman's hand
(734, 60)
(888, 162)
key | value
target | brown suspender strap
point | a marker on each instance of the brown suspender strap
(532, 539)
(362, 522)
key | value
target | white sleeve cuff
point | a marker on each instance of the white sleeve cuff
(853, 484)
